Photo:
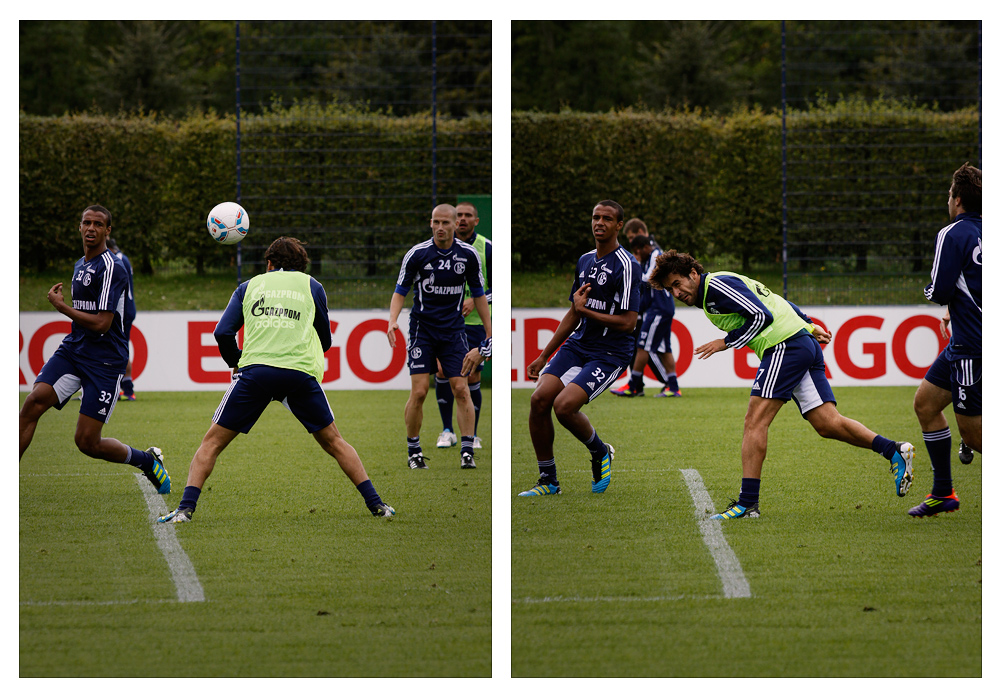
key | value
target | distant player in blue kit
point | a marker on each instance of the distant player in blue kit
(128, 390)
(656, 307)
(791, 367)
(465, 230)
(595, 344)
(286, 331)
(956, 376)
(438, 271)
(93, 356)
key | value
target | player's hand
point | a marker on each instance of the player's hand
(55, 296)
(535, 368)
(710, 348)
(471, 361)
(468, 307)
(821, 334)
(580, 297)
(391, 334)
(943, 326)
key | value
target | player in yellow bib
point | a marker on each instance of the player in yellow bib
(286, 326)
(791, 367)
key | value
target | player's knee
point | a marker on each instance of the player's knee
(540, 403)
(88, 445)
(564, 410)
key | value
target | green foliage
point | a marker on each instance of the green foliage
(711, 184)
(629, 568)
(299, 579)
(160, 178)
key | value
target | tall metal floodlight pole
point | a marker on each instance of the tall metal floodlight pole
(434, 78)
(239, 245)
(784, 172)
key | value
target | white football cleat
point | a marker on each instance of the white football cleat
(447, 439)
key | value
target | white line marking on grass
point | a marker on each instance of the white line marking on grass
(94, 603)
(546, 600)
(185, 579)
(93, 473)
(734, 584)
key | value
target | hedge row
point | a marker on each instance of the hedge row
(711, 185)
(306, 169)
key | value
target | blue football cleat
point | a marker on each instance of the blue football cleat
(735, 510)
(602, 475)
(178, 516)
(157, 474)
(901, 467)
(541, 489)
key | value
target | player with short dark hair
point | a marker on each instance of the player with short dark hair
(467, 218)
(93, 356)
(595, 345)
(439, 270)
(791, 367)
(656, 308)
(956, 375)
(286, 331)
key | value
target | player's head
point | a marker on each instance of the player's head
(606, 221)
(112, 244)
(287, 253)
(634, 227)
(99, 209)
(965, 195)
(444, 218)
(95, 227)
(467, 218)
(641, 246)
(678, 274)
(619, 211)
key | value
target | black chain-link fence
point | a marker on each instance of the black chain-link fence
(349, 133)
(865, 180)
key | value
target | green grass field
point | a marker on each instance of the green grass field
(299, 579)
(844, 583)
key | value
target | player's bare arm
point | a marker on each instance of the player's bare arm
(482, 306)
(565, 328)
(395, 307)
(943, 326)
(99, 322)
(711, 348)
(821, 334)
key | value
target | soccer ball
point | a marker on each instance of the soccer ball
(228, 223)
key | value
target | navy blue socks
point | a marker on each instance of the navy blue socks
(749, 492)
(938, 445)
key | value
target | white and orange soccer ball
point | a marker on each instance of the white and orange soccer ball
(228, 223)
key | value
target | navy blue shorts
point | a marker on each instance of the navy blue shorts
(255, 386)
(591, 372)
(475, 334)
(794, 369)
(655, 335)
(427, 348)
(962, 375)
(101, 384)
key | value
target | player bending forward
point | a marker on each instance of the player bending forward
(791, 367)
(282, 360)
